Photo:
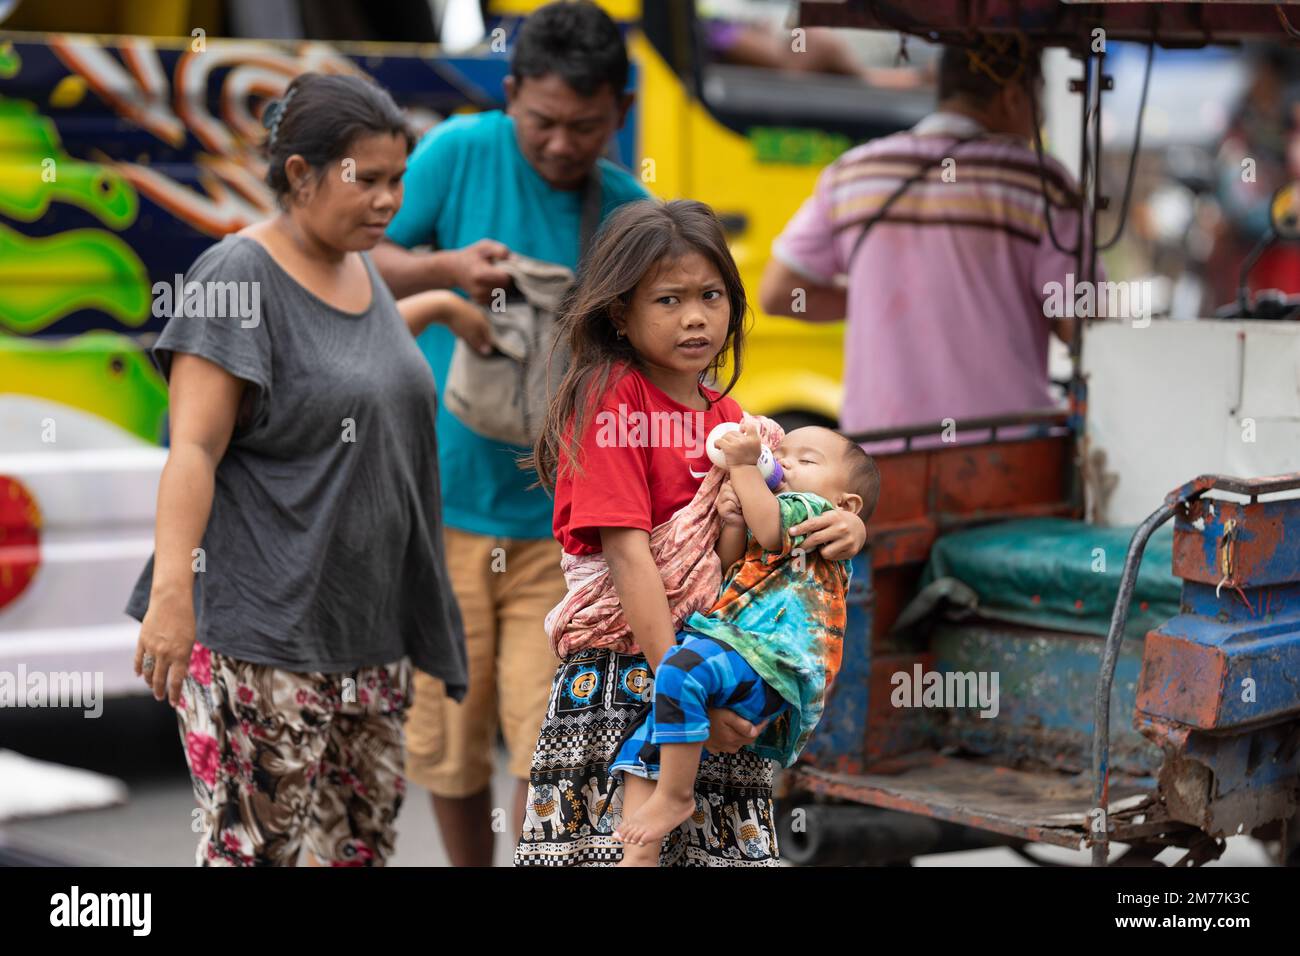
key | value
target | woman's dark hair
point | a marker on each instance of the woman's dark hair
(576, 41)
(632, 242)
(320, 116)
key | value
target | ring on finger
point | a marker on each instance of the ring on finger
(146, 665)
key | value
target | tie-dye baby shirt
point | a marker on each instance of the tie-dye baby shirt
(784, 612)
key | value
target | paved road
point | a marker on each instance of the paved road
(152, 829)
(137, 741)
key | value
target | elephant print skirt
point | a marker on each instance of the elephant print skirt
(571, 812)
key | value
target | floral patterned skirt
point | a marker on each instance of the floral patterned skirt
(282, 760)
(574, 804)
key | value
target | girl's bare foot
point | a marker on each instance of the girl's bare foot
(659, 816)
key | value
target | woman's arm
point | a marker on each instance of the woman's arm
(204, 401)
(444, 307)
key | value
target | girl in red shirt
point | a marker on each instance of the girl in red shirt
(658, 309)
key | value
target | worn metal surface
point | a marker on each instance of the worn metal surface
(1191, 674)
(837, 742)
(892, 731)
(1237, 667)
(1232, 656)
(1053, 22)
(1182, 680)
(1239, 545)
(1046, 683)
(1259, 485)
(1042, 418)
(926, 492)
(1227, 783)
(1044, 807)
(1219, 690)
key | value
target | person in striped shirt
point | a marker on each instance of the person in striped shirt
(944, 292)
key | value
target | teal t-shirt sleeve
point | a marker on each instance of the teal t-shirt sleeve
(429, 175)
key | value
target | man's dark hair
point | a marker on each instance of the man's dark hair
(576, 41)
(981, 70)
(864, 477)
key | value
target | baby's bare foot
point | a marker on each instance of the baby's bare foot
(639, 855)
(658, 817)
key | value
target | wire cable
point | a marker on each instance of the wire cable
(1042, 171)
(1133, 156)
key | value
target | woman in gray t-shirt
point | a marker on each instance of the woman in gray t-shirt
(298, 569)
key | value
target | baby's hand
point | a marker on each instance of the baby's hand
(741, 447)
(729, 507)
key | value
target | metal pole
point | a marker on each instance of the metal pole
(1085, 87)
(1077, 400)
(1106, 676)
(1099, 88)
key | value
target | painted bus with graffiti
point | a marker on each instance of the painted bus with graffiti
(123, 156)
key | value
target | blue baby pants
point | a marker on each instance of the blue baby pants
(698, 674)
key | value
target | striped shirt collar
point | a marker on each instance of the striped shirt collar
(944, 123)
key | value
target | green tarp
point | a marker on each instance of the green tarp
(1059, 574)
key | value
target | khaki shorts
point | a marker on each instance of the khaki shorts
(504, 598)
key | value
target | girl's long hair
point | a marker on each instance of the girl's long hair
(631, 242)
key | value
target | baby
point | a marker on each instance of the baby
(770, 645)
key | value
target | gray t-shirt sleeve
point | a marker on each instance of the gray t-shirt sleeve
(219, 316)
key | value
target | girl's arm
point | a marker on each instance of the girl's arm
(839, 534)
(204, 400)
(640, 590)
(444, 307)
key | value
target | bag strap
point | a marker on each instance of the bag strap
(921, 172)
(592, 202)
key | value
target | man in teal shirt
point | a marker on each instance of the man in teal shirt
(478, 187)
